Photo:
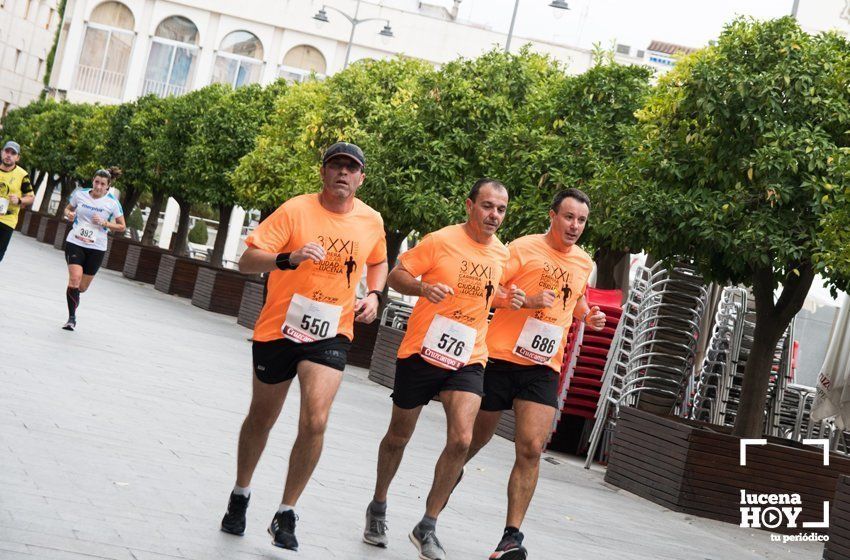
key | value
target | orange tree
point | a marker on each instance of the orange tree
(742, 162)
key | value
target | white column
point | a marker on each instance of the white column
(137, 66)
(234, 233)
(39, 194)
(73, 46)
(172, 212)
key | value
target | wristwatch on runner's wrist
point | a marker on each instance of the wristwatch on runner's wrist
(378, 294)
(282, 262)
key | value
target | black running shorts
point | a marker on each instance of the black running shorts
(89, 259)
(417, 381)
(505, 381)
(277, 361)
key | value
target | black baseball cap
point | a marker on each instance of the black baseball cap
(345, 149)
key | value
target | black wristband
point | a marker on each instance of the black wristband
(379, 294)
(283, 263)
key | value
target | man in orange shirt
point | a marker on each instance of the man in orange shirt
(527, 348)
(443, 351)
(306, 325)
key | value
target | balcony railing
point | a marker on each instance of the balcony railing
(99, 81)
(162, 89)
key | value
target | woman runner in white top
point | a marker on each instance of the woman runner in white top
(94, 213)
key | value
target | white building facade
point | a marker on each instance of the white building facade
(111, 51)
(27, 29)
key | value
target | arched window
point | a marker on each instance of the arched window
(239, 60)
(171, 62)
(108, 42)
(301, 62)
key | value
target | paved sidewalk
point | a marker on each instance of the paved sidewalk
(118, 441)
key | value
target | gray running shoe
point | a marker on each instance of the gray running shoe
(375, 532)
(70, 325)
(428, 545)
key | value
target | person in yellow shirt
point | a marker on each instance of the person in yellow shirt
(526, 349)
(443, 351)
(15, 192)
(306, 326)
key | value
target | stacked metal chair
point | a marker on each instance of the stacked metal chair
(721, 356)
(794, 412)
(615, 366)
(665, 343)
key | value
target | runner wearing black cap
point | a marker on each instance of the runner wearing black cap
(15, 192)
(309, 245)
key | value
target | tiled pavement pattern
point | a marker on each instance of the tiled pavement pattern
(118, 441)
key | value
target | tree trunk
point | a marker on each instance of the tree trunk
(48, 194)
(68, 185)
(153, 218)
(265, 213)
(224, 212)
(771, 321)
(180, 241)
(129, 198)
(394, 241)
(37, 178)
(612, 270)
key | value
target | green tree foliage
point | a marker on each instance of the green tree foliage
(57, 143)
(135, 220)
(199, 234)
(284, 162)
(121, 146)
(742, 163)
(225, 132)
(374, 104)
(171, 125)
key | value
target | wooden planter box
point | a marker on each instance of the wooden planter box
(692, 467)
(116, 252)
(382, 366)
(838, 545)
(220, 290)
(21, 215)
(365, 338)
(47, 230)
(142, 262)
(251, 304)
(62, 228)
(30, 226)
(177, 275)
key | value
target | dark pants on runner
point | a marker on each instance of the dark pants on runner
(5, 237)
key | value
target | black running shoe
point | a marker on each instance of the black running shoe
(70, 325)
(510, 548)
(282, 530)
(233, 521)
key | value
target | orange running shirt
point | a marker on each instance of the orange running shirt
(533, 267)
(315, 300)
(449, 256)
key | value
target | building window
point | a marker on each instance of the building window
(38, 68)
(17, 61)
(239, 60)
(49, 18)
(27, 9)
(6, 106)
(171, 62)
(102, 68)
(301, 62)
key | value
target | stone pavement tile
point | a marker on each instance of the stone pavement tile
(119, 441)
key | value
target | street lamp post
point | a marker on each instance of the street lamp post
(555, 5)
(322, 16)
